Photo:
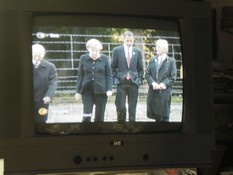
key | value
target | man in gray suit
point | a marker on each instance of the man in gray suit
(44, 83)
(127, 69)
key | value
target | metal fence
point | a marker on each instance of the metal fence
(64, 50)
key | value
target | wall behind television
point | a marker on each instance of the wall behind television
(224, 39)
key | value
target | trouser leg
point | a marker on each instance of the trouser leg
(88, 103)
(120, 103)
(100, 105)
(132, 101)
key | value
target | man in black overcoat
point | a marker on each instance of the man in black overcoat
(44, 83)
(160, 75)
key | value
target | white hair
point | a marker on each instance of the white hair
(94, 43)
(162, 43)
(38, 48)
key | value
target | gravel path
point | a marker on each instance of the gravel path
(72, 112)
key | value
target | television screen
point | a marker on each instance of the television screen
(47, 47)
(65, 69)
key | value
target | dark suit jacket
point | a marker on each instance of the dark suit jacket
(158, 101)
(97, 72)
(120, 67)
(44, 80)
(45, 84)
(165, 73)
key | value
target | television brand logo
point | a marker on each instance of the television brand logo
(117, 143)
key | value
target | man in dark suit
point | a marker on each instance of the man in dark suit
(160, 75)
(44, 83)
(127, 68)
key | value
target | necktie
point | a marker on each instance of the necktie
(128, 63)
(128, 58)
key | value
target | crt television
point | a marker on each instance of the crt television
(64, 143)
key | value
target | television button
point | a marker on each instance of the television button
(105, 158)
(111, 158)
(77, 160)
(146, 157)
(95, 159)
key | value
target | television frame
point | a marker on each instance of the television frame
(48, 24)
(24, 152)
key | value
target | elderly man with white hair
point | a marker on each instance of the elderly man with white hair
(160, 75)
(44, 83)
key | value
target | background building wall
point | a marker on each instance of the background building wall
(224, 39)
